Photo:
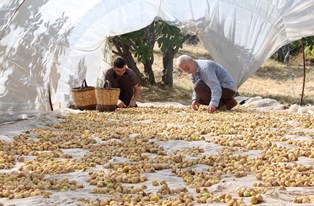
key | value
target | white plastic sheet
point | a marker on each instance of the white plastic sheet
(49, 46)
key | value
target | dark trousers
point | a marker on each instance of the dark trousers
(126, 89)
(203, 94)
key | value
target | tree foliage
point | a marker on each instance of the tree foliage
(139, 46)
(294, 48)
(170, 40)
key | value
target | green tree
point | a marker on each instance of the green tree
(294, 48)
(170, 40)
(309, 48)
(140, 44)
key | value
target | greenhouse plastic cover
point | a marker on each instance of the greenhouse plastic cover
(49, 46)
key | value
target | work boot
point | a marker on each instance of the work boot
(222, 108)
(231, 103)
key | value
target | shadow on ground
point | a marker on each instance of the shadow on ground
(165, 94)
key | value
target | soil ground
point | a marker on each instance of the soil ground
(279, 81)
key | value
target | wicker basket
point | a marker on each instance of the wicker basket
(107, 98)
(84, 97)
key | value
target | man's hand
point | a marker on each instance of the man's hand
(132, 103)
(195, 105)
(211, 109)
(121, 104)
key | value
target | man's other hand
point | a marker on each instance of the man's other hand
(121, 104)
(195, 105)
(211, 109)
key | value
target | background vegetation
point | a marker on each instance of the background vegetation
(150, 52)
(276, 80)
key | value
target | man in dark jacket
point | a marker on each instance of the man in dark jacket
(124, 78)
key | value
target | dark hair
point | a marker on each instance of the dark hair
(119, 62)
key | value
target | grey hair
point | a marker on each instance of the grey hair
(183, 59)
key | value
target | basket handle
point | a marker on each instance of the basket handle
(107, 84)
(84, 84)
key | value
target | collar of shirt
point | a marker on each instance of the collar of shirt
(198, 70)
(197, 73)
(116, 76)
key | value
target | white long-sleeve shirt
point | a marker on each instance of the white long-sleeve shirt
(215, 77)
